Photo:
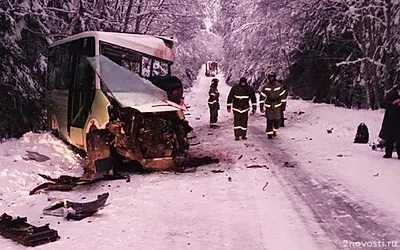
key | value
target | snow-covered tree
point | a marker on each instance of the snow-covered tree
(342, 51)
(356, 40)
(258, 36)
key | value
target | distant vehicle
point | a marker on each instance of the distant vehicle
(211, 69)
(96, 84)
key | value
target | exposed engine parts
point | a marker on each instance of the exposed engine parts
(158, 141)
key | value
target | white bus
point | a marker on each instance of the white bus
(77, 101)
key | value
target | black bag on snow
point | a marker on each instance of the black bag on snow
(362, 135)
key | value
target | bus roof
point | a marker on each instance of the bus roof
(155, 46)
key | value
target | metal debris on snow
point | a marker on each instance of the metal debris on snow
(289, 165)
(258, 166)
(75, 210)
(35, 156)
(24, 233)
(266, 184)
(217, 171)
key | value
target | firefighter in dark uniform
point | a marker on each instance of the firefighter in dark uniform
(238, 101)
(284, 101)
(213, 102)
(271, 97)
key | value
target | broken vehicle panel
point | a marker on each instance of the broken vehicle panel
(67, 183)
(144, 126)
(26, 234)
(75, 210)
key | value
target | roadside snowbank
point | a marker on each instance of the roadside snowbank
(18, 174)
(363, 172)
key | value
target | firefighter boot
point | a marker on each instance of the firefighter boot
(237, 138)
(389, 150)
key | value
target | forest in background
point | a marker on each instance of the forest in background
(344, 52)
(27, 27)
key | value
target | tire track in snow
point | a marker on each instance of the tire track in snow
(342, 218)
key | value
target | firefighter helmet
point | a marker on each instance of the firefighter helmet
(272, 73)
(215, 80)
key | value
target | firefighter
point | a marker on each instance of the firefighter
(213, 102)
(238, 101)
(271, 97)
(284, 101)
(390, 131)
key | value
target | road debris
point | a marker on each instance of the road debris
(217, 171)
(67, 183)
(258, 166)
(35, 156)
(76, 211)
(26, 234)
(229, 179)
(266, 184)
(240, 157)
(289, 164)
(329, 131)
(376, 175)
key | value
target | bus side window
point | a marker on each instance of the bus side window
(83, 88)
(84, 74)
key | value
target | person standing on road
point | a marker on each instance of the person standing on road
(213, 102)
(390, 131)
(271, 96)
(238, 101)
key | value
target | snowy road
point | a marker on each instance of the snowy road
(337, 201)
(331, 195)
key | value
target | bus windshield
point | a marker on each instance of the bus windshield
(134, 61)
(119, 80)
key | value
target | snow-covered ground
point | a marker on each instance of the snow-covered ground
(332, 193)
(334, 155)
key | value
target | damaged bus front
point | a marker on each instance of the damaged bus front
(144, 126)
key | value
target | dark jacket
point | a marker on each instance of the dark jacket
(272, 97)
(239, 97)
(213, 98)
(390, 130)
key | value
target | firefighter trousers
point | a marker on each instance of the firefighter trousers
(213, 116)
(272, 126)
(240, 120)
(389, 147)
(282, 118)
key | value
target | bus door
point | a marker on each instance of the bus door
(82, 89)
